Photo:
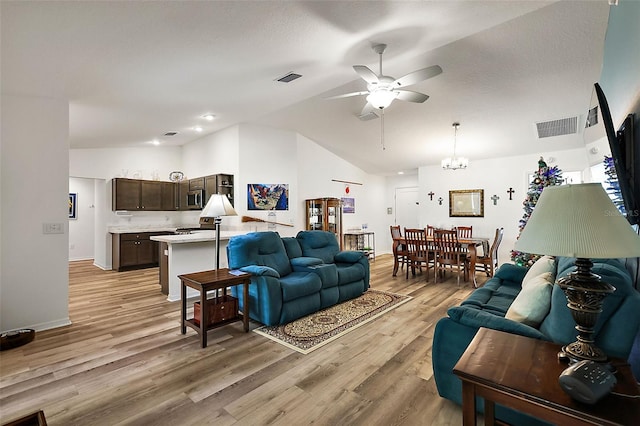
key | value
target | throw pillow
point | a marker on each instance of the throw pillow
(541, 266)
(533, 303)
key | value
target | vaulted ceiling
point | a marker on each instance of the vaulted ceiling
(133, 71)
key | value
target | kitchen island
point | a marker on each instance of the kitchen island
(188, 253)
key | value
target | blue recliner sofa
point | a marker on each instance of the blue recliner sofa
(617, 326)
(293, 277)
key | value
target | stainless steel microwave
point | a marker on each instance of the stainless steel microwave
(195, 199)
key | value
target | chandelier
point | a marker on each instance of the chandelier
(455, 163)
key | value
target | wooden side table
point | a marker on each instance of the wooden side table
(204, 282)
(522, 373)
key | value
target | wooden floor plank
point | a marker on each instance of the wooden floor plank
(123, 361)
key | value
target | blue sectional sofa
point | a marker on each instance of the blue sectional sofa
(617, 326)
(293, 277)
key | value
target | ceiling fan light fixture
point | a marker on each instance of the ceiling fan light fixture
(455, 163)
(381, 98)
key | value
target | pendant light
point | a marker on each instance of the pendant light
(455, 163)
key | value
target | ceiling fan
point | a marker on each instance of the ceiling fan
(383, 89)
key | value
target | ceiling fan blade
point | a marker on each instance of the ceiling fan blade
(347, 95)
(418, 76)
(368, 109)
(366, 74)
(368, 112)
(408, 95)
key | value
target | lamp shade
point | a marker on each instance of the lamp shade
(218, 205)
(578, 221)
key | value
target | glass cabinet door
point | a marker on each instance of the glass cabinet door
(325, 214)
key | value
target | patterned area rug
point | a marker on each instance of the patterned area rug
(309, 333)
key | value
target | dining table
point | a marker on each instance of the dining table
(471, 244)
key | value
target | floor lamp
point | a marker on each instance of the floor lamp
(580, 221)
(218, 206)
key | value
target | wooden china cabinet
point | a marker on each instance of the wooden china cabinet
(325, 214)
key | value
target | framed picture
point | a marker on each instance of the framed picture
(72, 206)
(466, 203)
(261, 196)
(348, 205)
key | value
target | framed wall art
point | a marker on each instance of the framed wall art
(72, 206)
(348, 205)
(261, 196)
(466, 203)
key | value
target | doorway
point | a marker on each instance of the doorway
(407, 207)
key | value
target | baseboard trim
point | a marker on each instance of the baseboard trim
(45, 325)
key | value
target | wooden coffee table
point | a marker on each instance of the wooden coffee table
(522, 373)
(205, 281)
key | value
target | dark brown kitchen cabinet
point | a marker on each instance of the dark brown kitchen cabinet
(196, 184)
(150, 195)
(210, 187)
(126, 194)
(136, 194)
(134, 250)
(225, 186)
(183, 189)
(169, 199)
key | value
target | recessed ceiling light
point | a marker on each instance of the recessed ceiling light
(400, 173)
(155, 142)
(197, 129)
(209, 117)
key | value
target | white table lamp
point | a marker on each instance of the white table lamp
(580, 221)
(218, 206)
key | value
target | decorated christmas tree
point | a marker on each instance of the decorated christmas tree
(613, 186)
(544, 176)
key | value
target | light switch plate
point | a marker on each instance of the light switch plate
(53, 228)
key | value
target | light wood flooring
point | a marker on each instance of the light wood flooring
(123, 361)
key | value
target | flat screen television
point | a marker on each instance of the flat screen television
(626, 156)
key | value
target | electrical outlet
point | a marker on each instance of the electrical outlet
(52, 228)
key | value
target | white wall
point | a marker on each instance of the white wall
(317, 169)
(212, 154)
(268, 156)
(81, 229)
(34, 276)
(494, 176)
(138, 163)
(620, 78)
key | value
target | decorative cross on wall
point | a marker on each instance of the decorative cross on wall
(495, 199)
(510, 192)
(431, 194)
(440, 200)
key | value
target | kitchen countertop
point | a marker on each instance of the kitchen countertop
(150, 228)
(195, 237)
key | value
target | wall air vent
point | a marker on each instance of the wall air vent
(171, 133)
(592, 117)
(563, 126)
(289, 77)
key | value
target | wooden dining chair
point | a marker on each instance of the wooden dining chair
(419, 254)
(464, 231)
(399, 248)
(489, 260)
(449, 254)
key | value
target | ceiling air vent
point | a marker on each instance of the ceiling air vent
(171, 133)
(592, 117)
(287, 78)
(563, 126)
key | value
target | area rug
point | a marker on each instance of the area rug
(308, 333)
